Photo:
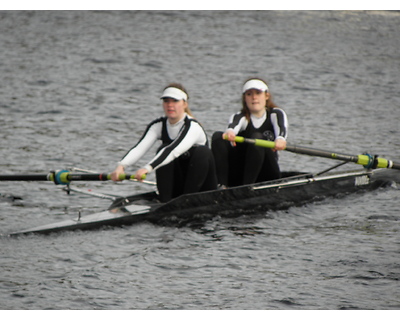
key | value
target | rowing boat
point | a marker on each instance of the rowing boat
(295, 189)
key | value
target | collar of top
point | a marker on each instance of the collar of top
(174, 93)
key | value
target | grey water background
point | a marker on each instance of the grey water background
(78, 88)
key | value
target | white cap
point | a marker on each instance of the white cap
(174, 93)
(255, 84)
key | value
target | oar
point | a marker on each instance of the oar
(65, 177)
(368, 161)
(152, 183)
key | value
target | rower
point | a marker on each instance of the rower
(184, 163)
(259, 118)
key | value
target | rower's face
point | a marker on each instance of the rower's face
(256, 100)
(174, 109)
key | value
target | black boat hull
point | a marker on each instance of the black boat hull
(261, 197)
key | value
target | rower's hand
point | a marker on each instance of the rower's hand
(115, 174)
(280, 144)
(140, 174)
(230, 136)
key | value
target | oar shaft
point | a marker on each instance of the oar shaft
(65, 177)
(25, 177)
(322, 153)
(365, 160)
(362, 159)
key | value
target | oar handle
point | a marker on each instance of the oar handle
(65, 177)
(257, 142)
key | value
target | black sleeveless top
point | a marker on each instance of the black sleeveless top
(266, 129)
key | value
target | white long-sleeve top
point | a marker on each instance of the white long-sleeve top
(181, 136)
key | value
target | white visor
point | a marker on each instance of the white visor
(174, 93)
(255, 84)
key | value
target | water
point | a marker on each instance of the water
(78, 88)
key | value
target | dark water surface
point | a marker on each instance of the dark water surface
(78, 88)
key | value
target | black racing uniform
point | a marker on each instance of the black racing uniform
(246, 163)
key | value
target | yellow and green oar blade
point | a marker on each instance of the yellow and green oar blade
(366, 160)
(65, 177)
